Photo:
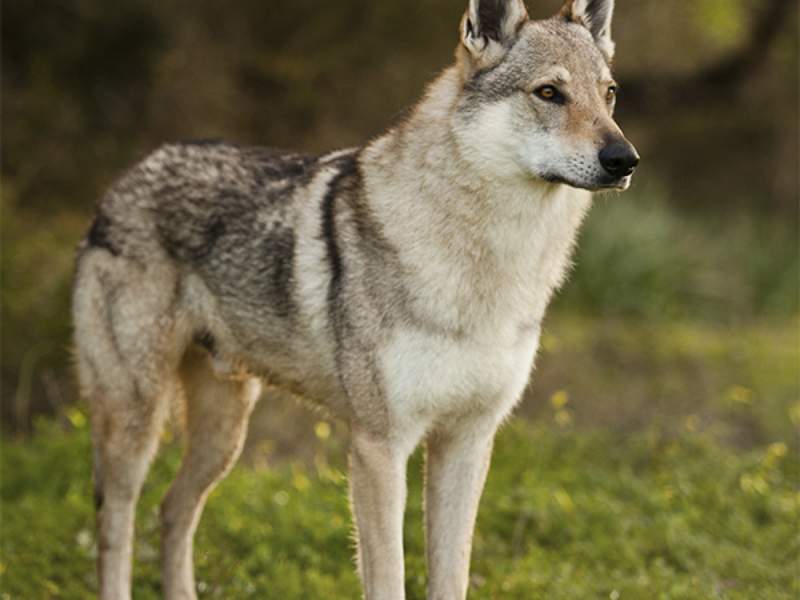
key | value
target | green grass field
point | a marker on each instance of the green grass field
(566, 514)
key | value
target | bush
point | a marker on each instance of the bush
(638, 257)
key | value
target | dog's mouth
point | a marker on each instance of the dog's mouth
(604, 184)
(619, 184)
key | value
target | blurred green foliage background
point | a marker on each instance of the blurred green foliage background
(681, 316)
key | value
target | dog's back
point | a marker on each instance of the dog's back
(194, 204)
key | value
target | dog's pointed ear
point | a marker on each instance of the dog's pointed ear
(491, 26)
(596, 16)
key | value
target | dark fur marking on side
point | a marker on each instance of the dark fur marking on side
(98, 235)
(348, 168)
(278, 247)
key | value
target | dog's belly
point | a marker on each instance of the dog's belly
(430, 378)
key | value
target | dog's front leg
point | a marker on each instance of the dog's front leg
(378, 497)
(456, 463)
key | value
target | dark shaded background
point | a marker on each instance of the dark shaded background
(707, 238)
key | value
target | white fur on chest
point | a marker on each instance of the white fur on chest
(429, 376)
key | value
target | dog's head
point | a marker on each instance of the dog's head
(538, 96)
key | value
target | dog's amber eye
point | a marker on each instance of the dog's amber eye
(550, 93)
(611, 94)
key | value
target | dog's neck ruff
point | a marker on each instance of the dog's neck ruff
(481, 253)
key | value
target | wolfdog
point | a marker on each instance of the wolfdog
(401, 284)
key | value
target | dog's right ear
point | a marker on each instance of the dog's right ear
(490, 27)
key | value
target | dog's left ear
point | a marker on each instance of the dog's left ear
(490, 27)
(596, 16)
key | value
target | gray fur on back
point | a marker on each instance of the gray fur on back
(226, 218)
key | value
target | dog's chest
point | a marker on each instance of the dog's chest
(430, 376)
(479, 306)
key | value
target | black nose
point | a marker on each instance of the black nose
(619, 158)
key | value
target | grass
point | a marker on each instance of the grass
(566, 514)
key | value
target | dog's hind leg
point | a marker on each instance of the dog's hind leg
(124, 449)
(124, 329)
(217, 411)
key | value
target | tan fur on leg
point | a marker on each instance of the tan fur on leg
(126, 348)
(378, 497)
(218, 409)
(456, 466)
